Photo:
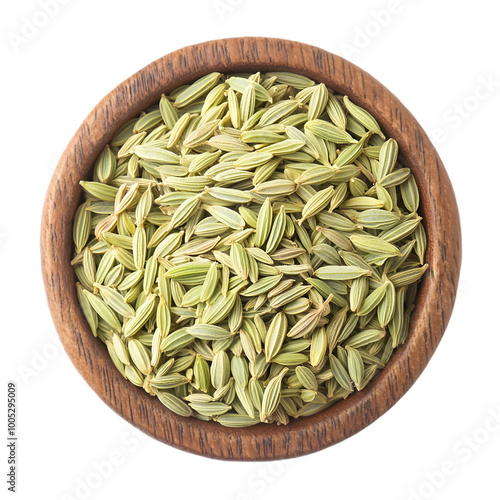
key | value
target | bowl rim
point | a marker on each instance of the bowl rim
(437, 291)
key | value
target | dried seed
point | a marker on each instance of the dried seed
(115, 300)
(275, 336)
(262, 286)
(283, 147)
(373, 245)
(385, 310)
(340, 272)
(355, 366)
(240, 85)
(277, 231)
(271, 397)
(139, 356)
(220, 369)
(103, 311)
(340, 373)
(317, 104)
(365, 118)
(409, 194)
(277, 112)
(173, 403)
(317, 203)
(373, 300)
(202, 86)
(201, 134)
(88, 311)
(227, 216)
(405, 278)
(319, 346)
(208, 332)
(142, 314)
(328, 132)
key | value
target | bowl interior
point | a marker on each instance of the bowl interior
(436, 294)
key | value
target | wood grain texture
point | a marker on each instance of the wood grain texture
(437, 291)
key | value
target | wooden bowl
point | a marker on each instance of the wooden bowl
(437, 290)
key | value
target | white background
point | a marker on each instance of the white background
(436, 57)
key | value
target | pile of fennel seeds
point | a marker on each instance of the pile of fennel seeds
(249, 249)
